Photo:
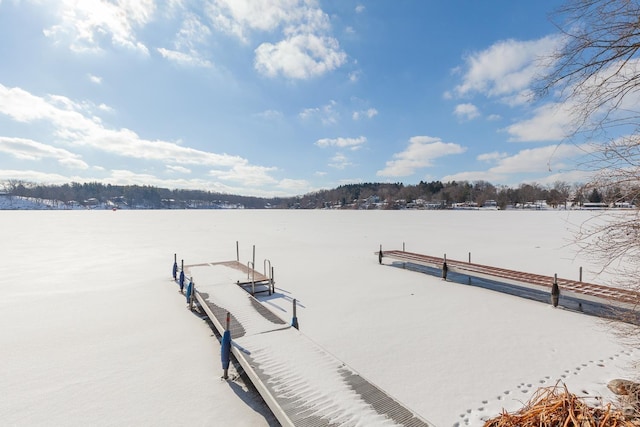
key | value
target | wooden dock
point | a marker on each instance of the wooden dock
(615, 298)
(301, 383)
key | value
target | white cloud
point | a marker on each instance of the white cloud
(547, 164)
(466, 111)
(494, 117)
(192, 35)
(300, 56)
(369, 114)
(541, 159)
(246, 175)
(95, 79)
(85, 24)
(360, 8)
(556, 121)
(491, 157)
(105, 108)
(296, 186)
(340, 161)
(550, 122)
(306, 48)
(27, 149)
(178, 169)
(74, 128)
(352, 143)
(326, 114)
(420, 153)
(239, 17)
(37, 176)
(184, 58)
(506, 68)
(270, 114)
(354, 76)
(473, 176)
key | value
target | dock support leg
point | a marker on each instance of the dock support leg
(273, 282)
(445, 269)
(225, 351)
(190, 292)
(175, 267)
(294, 321)
(380, 255)
(182, 277)
(555, 291)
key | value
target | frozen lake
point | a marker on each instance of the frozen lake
(94, 332)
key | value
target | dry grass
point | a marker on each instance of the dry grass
(555, 407)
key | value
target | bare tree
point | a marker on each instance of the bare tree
(596, 71)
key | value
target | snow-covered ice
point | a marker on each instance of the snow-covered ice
(95, 332)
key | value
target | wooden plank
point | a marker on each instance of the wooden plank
(620, 297)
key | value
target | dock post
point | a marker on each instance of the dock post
(175, 266)
(225, 351)
(445, 269)
(380, 255)
(273, 282)
(190, 293)
(182, 277)
(580, 279)
(294, 321)
(555, 291)
(237, 252)
(469, 257)
(403, 247)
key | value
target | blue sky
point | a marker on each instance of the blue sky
(278, 97)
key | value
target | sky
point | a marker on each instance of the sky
(279, 97)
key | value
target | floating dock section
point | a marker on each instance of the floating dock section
(301, 383)
(590, 298)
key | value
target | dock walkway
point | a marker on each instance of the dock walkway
(615, 298)
(301, 383)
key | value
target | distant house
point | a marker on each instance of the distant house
(91, 203)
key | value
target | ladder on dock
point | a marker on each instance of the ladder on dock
(301, 383)
(615, 298)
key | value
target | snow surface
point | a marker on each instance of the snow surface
(95, 332)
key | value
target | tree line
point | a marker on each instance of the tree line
(350, 196)
(133, 196)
